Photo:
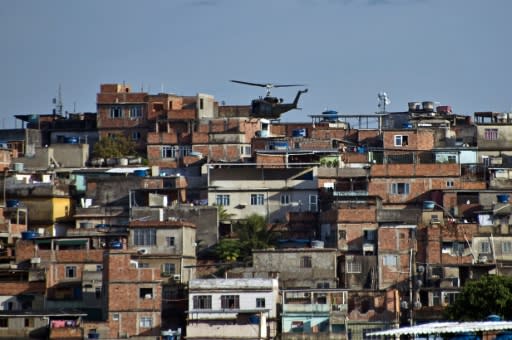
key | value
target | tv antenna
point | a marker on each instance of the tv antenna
(383, 101)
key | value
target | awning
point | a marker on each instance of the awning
(447, 327)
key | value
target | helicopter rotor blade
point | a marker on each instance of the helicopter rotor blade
(248, 83)
(289, 85)
(268, 85)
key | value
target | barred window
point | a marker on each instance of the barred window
(144, 237)
(202, 302)
(491, 134)
(230, 301)
(305, 262)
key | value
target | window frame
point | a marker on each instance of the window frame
(257, 199)
(223, 200)
(116, 112)
(260, 302)
(400, 188)
(306, 261)
(146, 322)
(71, 272)
(491, 134)
(285, 199)
(202, 302)
(144, 237)
(401, 140)
(230, 301)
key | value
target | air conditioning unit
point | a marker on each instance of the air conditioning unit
(35, 260)
(142, 251)
(176, 277)
(148, 296)
(482, 259)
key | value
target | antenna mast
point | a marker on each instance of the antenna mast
(58, 103)
(383, 102)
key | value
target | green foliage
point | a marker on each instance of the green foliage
(480, 298)
(228, 250)
(114, 147)
(253, 233)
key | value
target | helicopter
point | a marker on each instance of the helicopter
(271, 107)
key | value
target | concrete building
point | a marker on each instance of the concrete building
(232, 308)
(269, 192)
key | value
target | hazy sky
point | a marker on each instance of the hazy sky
(455, 52)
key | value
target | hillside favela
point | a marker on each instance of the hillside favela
(164, 216)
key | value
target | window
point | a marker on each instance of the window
(168, 268)
(245, 150)
(170, 241)
(115, 316)
(485, 247)
(146, 293)
(506, 247)
(369, 235)
(452, 159)
(202, 302)
(342, 234)
(353, 267)
(222, 200)
(146, 322)
(491, 134)
(70, 271)
(99, 267)
(401, 140)
(285, 199)
(436, 298)
(116, 112)
(168, 152)
(257, 199)
(144, 237)
(322, 285)
(458, 248)
(313, 203)
(4, 322)
(400, 188)
(136, 135)
(135, 112)
(390, 260)
(230, 301)
(305, 262)
(201, 103)
(449, 297)
(97, 292)
(260, 302)
(450, 184)
(29, 322)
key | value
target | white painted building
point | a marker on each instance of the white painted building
(232, 308)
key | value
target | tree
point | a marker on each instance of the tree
(253, 233)
(114, 147)
(478, 299)
(228, 249)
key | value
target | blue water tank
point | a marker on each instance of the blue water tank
(12, 203)
(279, 145)
(116, 245)
(503, 198)
(29, 235)
(407, 125)
(330, 115)
(254, 319)
(140, 173)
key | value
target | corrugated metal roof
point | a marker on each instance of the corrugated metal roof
(448, 327)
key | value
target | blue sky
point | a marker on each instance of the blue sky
(455, 52)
